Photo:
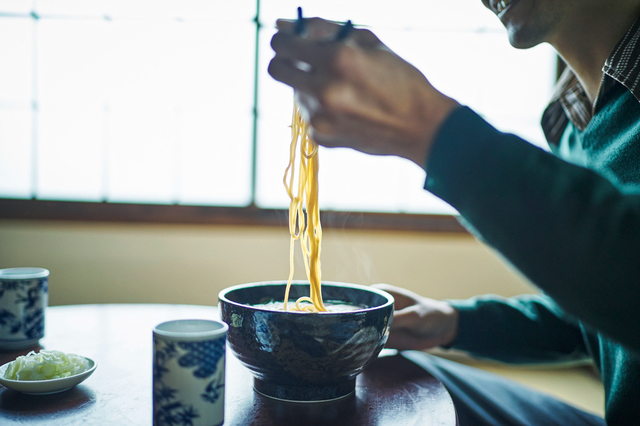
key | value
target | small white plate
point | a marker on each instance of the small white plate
(43, 387)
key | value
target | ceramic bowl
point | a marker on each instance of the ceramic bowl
(44, 387)
(298, 356)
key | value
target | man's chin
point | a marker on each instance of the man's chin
(521, 40)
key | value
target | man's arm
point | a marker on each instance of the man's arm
(523, 329)
(569, 230)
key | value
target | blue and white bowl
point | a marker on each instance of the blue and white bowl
(23, 299)
(305, 357)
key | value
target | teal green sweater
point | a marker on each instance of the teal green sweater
(571, 225)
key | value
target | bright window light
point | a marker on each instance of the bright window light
(146, 101)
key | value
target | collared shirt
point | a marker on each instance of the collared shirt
(570, 102)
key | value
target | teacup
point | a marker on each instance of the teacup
(188, 372)
(23, 299)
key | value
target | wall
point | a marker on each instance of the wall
(124, 263)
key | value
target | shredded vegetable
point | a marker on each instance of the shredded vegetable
(45, 365)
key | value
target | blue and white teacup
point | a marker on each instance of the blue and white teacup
(23, 299)
(188, 372)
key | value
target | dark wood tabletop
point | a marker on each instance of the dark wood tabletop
(391, 390)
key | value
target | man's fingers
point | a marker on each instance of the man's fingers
(301, 49)
(407, 318)
(284, 70)
(406, 341)
(314, 28)
(286, 25)
(366, 38)
(403, 297)
(321, 29)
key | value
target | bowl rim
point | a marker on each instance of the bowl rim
(222, 296)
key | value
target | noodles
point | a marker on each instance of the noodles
(304, 214)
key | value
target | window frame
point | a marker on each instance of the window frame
(81, 211)
(252, 215)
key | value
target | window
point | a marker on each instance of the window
(146, 102)
(128, 102)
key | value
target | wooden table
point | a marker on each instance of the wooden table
(392, 390)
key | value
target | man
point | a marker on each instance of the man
(570, 222)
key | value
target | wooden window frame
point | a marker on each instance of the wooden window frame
(32, 209)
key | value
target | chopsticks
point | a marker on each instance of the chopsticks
(344, 32)
(300, 30)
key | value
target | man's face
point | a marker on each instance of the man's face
(531, 22)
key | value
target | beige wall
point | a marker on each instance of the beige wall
(104, 262)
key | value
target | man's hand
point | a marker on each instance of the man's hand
(419, 322)
(356, 92)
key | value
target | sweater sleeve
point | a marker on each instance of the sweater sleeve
(524, 329)
(568, 229)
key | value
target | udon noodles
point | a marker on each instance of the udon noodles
(304, 214)
(332, 306)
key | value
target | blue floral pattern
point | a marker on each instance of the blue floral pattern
(204, 356)
(28, 294)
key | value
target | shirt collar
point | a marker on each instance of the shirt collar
(570, 102)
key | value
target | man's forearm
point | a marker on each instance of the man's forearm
(566, 228)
